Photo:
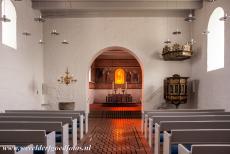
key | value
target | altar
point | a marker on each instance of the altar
(119, 98)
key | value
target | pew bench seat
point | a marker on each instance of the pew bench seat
(205, 149)
(194, 136)
(23, 138)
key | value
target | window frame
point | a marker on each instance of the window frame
(9, 40)
(216, 40)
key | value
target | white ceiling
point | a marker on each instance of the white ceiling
(88, 8)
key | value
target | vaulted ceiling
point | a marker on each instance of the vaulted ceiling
(88, 8)
(116, 54)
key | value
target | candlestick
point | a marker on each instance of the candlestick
(113, 85)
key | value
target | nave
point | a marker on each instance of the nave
(114, 76)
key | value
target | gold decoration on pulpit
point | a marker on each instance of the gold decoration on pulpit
(119, 76)
(67, 78)
(175, 90)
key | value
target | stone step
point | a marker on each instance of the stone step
(115, 114)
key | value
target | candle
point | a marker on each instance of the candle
(113, 85)
(126, 85)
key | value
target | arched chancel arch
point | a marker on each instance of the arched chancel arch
(110, 48)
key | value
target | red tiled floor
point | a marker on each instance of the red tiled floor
(115, 136)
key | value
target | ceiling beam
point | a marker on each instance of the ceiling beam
(52, 7)
(116, 5)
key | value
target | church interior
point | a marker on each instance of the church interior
(114, 76)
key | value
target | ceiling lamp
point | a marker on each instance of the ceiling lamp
(65, 42)
(192, 41)
(211, 1)
(177, 32)
(67, 78)
(205, 32)
(41, 42)
(167, 42)
(40, 19)
(54, 32)
(4, 18)
(190, 18)
(26, 33)
(225, 17)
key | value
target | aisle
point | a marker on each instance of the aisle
(115, 136)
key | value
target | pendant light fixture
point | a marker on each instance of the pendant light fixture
(41, 41)
(168, 40)
(40, 19)
(4, 17)
(190, 17)
(177, 32)
(192, 41)
(206, 31)
(65, 42)
(25, 32)
(190, 20)
(225, 17)
(211, 1)
(54, 32)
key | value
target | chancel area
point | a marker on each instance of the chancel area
(101, 77)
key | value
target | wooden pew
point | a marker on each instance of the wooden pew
(195, 136)
(175, 114)
(148, 114)
(66, 121)
(86, 119)
(28, 137)
(157, 119)
(174, 125)
(205, 149)
(177, 110)
(76, 116)
(37, 125)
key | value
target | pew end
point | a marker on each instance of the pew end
(150, 131)
(183, 150)
(167, 143)
(74, 132)
(146, 126)
(157, 139)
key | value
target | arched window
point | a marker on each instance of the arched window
(119, 76)
(215, 48)
(9, 29)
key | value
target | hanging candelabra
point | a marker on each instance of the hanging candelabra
(176, 51)
(67, 78)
